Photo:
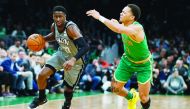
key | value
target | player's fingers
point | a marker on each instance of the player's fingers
(88, 12)
(88, 15)
(66, 68)
(65, 65)
(69, 68)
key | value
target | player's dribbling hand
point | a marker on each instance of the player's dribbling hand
(95, 14)
(69, 64)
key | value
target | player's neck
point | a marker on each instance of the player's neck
(128, 23)
(60, 29)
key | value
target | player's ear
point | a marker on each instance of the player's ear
(133, 17)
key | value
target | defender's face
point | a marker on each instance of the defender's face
(59, 18)
(126, 15)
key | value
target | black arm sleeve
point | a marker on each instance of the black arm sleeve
(83, 47)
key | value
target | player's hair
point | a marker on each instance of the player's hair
(59, 8)
(135, 10)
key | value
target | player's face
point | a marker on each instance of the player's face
(126, 15)
(59, 18)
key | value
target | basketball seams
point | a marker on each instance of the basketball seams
(41, 41)
(35, 43)
(40, 37)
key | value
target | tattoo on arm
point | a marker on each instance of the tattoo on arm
(73, 32)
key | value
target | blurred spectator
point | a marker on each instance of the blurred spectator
(36, 63)
(4, 77)
(96, 53)
(170, 62)
(2, 32)
(55, 81)
(188, 82)
(18, 32)
(23, 61)
(164, 73)
(3, 55)
(175, 83)
(5, 84)
(107, 78)
(182, 68)
(163, 53)
(156, 80)
(16, 47)
(2, 44)
(90, 80)
(18, 75)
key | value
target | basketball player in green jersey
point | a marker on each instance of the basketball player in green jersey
(136, 57)
(72, 47)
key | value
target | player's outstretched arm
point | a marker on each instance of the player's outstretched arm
(51, 36)
(115, 26)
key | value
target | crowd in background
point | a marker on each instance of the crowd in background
(167, 32)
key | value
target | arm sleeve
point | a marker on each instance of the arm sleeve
(82, 46)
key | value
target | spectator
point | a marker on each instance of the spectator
(164, 73)
(90, 80)
(156, 80)
(5, 84)
(175, 83)
(18, 75)
(16, 47)
(2, 31)
(4, 77)
(26, 73)
(182, 68)
(18, 32)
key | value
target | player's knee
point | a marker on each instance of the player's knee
(42, 76)
(144, 98)
(68, 89)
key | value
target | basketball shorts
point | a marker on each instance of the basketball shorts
(72, 76)
(126, 69)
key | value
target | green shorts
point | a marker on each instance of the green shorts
(126, 69)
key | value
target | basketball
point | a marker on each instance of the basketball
(35, 42)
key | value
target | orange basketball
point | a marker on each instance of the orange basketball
(35, 42)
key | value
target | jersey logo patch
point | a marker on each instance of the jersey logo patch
(63, 41)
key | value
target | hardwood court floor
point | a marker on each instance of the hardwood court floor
(110, 101)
